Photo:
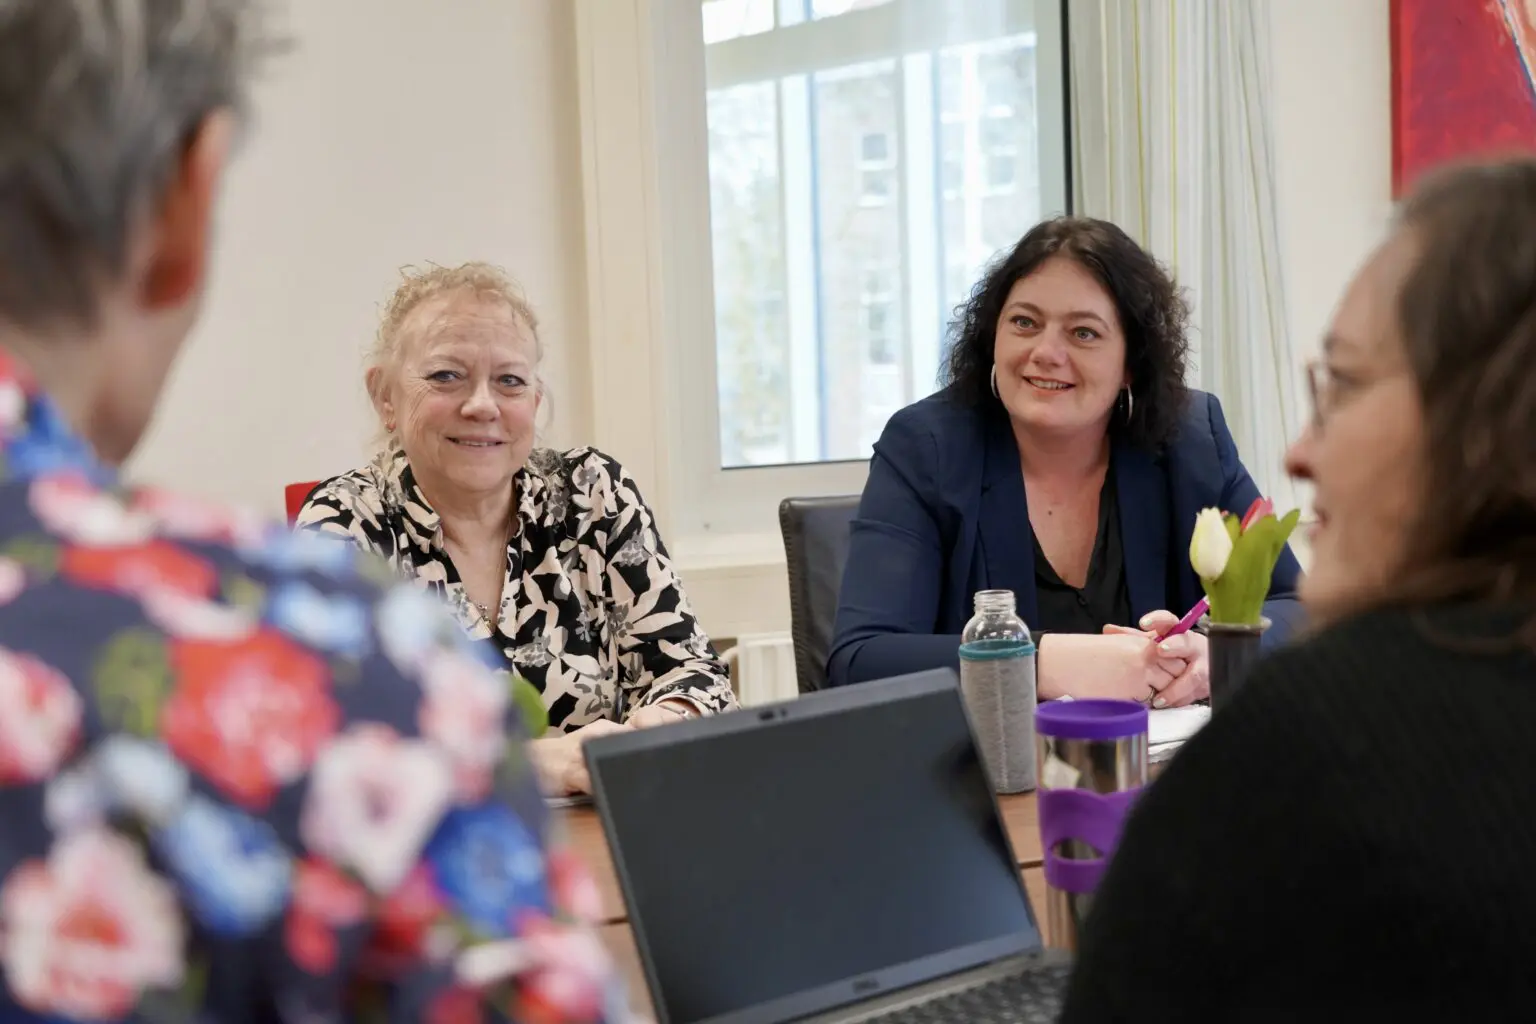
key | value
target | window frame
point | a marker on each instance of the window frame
(642, 74)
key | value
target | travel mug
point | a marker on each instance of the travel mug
(1092, 765)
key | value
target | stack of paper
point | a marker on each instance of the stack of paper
(1167, 728)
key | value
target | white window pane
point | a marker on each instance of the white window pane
(853, 207)
(1002, 171)
(860, 229)
(876, 147)
(1000, 140)
(875, 187)
(877, 319)
(832, 8)
(952, 158)
(998, 133)
(957, 283)
(732, 19)
(1001, 79)
(1000, 151)
(751, 330)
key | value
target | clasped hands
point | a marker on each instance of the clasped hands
(558, 759)
(1127, 663)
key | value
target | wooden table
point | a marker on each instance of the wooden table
(584, 833)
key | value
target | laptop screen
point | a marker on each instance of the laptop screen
(793, 860)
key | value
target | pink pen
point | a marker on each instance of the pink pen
(1187, 623)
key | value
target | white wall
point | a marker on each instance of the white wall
(396, 132)
(1333, 152)
(1333, 156)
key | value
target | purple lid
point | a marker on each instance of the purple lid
(1091, 719)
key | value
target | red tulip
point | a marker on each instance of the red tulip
(1260, 508)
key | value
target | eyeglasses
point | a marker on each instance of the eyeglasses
(1328, 390)
(1319, 394)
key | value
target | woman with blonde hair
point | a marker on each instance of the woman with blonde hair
(552, 557)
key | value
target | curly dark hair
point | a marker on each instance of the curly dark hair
(1152, 310)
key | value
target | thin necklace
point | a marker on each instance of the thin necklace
(501, 588)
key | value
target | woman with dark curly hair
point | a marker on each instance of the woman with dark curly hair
(1065, 461)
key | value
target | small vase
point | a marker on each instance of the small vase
(1233, 650)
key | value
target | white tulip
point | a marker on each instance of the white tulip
(1211, 545)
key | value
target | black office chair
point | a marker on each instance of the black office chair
(815, 548)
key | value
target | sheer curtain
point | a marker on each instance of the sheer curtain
(1172, 139)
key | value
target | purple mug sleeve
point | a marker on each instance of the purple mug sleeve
(1086, 816)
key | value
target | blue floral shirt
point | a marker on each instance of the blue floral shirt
(240, 781)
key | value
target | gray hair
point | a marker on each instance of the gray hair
(97, 99)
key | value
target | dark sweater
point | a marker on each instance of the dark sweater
(1355, 832)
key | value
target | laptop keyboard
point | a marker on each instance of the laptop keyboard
(1031, 997)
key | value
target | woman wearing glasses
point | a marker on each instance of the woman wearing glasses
(1355, 832)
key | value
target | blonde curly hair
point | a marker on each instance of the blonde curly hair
(418, 284)
(481, 280)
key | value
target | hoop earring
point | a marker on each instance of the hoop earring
(1130, 405)
(994, 382)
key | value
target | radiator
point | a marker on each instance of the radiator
(763, 666)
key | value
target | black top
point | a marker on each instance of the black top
(1356, 831)
(1103, 599)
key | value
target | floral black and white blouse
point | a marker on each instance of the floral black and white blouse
(592, 612)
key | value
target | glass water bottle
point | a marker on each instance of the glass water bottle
(997, 677)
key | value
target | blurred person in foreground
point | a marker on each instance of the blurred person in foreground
(1353, 835)
(238, 781)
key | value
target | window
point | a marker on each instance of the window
(879, 320)
(1001, 152)
(1005, 80)
(877, 323)
(843, 135)
(875, 168)
(830, 8)
(877, 148)
(742, 347)
(730, 19)
(952, 157)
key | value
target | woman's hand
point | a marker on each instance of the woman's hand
(1124, 665)
(1194, 683)
(664, 712)
(558, 761)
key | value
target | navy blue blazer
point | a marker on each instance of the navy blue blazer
(943, 515)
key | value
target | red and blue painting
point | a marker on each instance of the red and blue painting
(1463, 82)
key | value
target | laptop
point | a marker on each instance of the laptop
(839, 857)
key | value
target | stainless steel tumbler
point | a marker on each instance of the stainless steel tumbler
(1092, 765)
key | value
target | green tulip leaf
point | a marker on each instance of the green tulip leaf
(1237, 597)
